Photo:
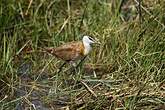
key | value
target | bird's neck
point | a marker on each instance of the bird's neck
(87, 48)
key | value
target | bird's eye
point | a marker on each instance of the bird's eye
(90, 39)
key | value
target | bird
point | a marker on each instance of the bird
(70, 52)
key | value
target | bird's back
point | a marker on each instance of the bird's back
(69, 52)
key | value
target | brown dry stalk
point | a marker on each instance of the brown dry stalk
(88, 88)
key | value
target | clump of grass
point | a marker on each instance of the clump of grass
(132, 50)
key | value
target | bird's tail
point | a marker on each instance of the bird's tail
(49, 50)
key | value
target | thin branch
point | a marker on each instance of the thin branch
(89, 89)
(29, 7)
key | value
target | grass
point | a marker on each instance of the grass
(126, 71)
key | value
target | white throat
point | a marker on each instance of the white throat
(87, 47)
(87, 41)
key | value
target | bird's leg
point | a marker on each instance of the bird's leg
(61, 67)
(73, 66)
(80, 62)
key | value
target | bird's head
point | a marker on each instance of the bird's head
(89, 40)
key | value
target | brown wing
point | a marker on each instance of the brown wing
(68, 51)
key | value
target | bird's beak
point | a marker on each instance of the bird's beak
(97, 41)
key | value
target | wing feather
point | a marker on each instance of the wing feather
(68, 51)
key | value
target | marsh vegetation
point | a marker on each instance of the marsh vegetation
(126, 72)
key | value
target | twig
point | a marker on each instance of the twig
(20, 50)
(29, 7)
(140, 12)
(61, 67)
(3, 98)
(43, 69)
(88, 89)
